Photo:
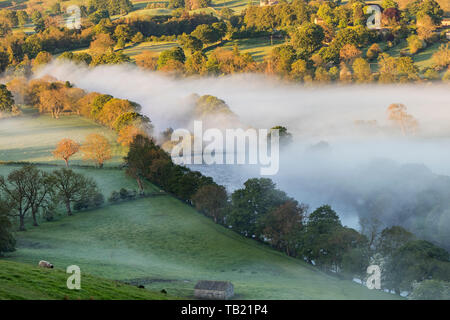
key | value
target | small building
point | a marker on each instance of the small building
(445, 22)
(219, 290)
(318, 20)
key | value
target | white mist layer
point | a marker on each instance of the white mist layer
(311, 114)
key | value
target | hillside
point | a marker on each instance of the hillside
(165, 244)
(159, 242)
(21, 281)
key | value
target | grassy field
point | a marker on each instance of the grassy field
(34, 138)
(423, 59)
(156, 47)
(259, 48)
(163, 243)
(21, 281)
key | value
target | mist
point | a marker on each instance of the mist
(365, 169)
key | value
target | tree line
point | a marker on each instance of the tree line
(58, 98)
(326, 41)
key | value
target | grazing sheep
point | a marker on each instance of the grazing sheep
(45, 264)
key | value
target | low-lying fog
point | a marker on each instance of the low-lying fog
(365, 168)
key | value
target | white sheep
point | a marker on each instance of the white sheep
(45, 264)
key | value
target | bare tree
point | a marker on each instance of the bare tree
(15, 189)
(71, 187)
(39, 190)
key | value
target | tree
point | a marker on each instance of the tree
(173, 4)
(96, 148)
(137, 38)
(103, 43)
(195, 63)
(393, 238)
(416, 261)
(373, 51)
(14, 187)
(7, 241)
(299, 69)
(226, 13)
(425, 27)
(139, 159)
(206, 33)
(397, 113)
(123, 31)
(250, 204)
(72, 187)
(281, 59)
(307, 39)
(38, 189)
(431, 8)
(175, 53)
(283, 226)
(386, 4)
(211, 200)
(441, 58)
(42, 58)
(4, 60)
(22, 17)
(321, 224)
(349, 53)
(65, 149)
(361, 70)
(6, 99)
(53, 99)
(430, 289)
(147, 60)
(190, 43)
(284, 135)
(415, 43)
(387, 68)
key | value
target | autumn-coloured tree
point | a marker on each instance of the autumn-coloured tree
(397, 113)
(65, 149)
(147, 60)
(127, 134)
(349, 52)
(361, 69)
(53, 100)
(425, 27)
(96, 148)
(283, 226)
(113, 109)
(441, 58)
(103, 43)
(42, 58)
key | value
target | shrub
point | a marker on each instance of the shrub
(115, 197)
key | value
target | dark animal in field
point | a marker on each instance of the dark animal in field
(141, 286)
(45, 264)
(163, 291)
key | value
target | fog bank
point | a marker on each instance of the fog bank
(368, 168)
